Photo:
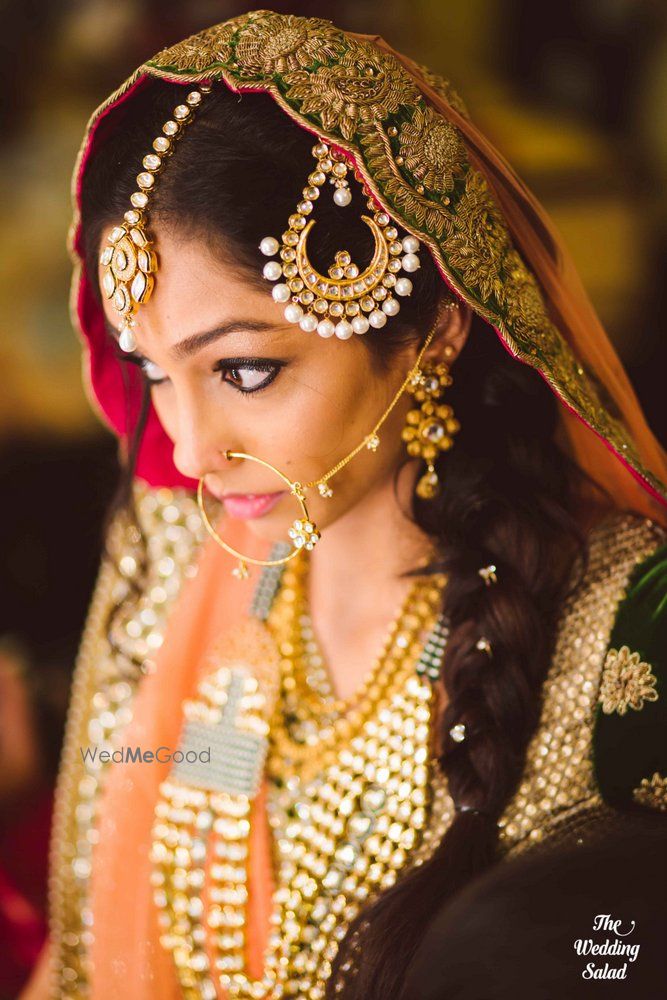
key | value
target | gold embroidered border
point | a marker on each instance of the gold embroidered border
(105, 680)
(558, 781)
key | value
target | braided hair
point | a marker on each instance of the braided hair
(507, 502)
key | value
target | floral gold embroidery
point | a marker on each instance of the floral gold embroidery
(200, 51)
(525, 306)
(364, 87)
(284, 43)
(652, 792)
(432, 150)
(426, 212)
(480, 240)
(627, 682)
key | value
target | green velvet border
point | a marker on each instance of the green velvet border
(627, 748)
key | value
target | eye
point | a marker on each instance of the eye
(153, 372)
(248, 376)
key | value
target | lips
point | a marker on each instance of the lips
(246, 506)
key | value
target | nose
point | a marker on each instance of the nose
(200, 441)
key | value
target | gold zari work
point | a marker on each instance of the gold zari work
(361, 89)
(116, 650)
(652, 792)
(284, 43)
(559, 783)
(432, 150)
(627, 682)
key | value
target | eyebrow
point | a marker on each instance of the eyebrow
(195, 342)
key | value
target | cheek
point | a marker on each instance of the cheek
(308, 435)
(313, 422)
(303, 428)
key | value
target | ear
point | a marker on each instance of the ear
(451, 332)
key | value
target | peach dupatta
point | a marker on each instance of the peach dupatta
(127, 958)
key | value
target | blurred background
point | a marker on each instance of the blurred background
(573, 92)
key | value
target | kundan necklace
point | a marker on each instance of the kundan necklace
(348, 792)
(312, 724)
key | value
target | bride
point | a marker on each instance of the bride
(382, 601)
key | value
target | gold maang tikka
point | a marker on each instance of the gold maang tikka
(129, 260)
(356, 299)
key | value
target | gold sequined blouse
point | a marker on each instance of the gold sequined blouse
(599, 746)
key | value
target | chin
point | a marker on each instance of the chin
(274, 527)
(270, 529)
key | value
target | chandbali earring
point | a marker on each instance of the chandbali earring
(430, 427)
(348, 299)
(303, 533)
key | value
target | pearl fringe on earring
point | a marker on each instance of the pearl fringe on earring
(348, 300)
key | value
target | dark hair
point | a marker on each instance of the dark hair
(510, 494)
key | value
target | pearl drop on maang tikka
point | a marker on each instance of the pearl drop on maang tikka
(128, 260)
(348, 300)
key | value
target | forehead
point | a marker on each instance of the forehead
(194, 286)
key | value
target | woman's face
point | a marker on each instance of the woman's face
(228, 372)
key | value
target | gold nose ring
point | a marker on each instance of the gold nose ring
(303, 533)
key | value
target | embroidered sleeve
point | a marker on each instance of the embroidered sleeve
(630, 735)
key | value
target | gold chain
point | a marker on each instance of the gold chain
(310, 725)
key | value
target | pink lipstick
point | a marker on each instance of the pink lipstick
(246, 506)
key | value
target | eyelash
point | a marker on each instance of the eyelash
(228, 365)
